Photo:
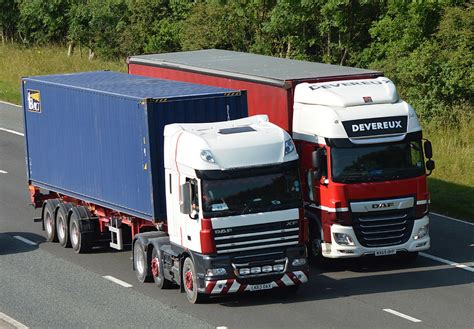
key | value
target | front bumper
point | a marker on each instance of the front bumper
(334, 250)
(221, 287)
(233, 282)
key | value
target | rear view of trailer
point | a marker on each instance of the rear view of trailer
(269, 81)
(98, 136)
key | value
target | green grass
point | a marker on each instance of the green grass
(451, 184)
(17, 62)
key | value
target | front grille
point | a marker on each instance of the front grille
(253, 237)
(383, 228)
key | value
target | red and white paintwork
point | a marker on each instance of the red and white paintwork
(222, 287)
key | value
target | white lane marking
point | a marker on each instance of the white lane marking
(12, 131)
(455, 219)
(11, 321)
(402, 315)
(31, 243)
(221, 327)
(117, 281)
(11, 104)
(445, 261)
(3, 172)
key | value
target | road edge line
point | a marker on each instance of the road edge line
(12, 321)
(448, 262)
(12, 131)
(452, 218)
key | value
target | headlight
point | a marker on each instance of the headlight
(343, 239)
(289, 146)
(216, 271)
(298, 262)
(206, 155)
(422, 231)
(278, 267)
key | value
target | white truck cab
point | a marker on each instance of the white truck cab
(234, 209)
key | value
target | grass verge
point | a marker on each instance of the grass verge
(451, 184)
(17, 62)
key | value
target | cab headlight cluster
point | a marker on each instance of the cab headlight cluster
(343, 239)
(216, 271)
(422, 232)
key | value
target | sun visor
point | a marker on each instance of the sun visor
(347, 93)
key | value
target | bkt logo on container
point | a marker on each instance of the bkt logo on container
(34, 101)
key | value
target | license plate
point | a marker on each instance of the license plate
(262, 286)
(385, 252)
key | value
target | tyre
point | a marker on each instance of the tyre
(140, 262)
(49, 220)
(62, 225)
(315, 254)
(81, 242)
(190, 282)
(157, 270)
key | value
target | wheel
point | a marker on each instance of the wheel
(140, 263)
(80, 241)
(48, 220)
(62, 226)
(157, 269)
(315, 254)
(190, 282)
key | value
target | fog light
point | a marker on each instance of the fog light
(256, 270)
(278, 267)
(298, 262)
(216, 271)
(244, 271)
(422, 231)
(267, 268)
(343, 239)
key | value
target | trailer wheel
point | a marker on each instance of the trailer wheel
(49, 221)
(157, 269)
(190, 282)
(62, 226)
(140, 263)
(80, 242)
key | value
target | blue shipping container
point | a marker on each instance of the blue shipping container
(98, 136)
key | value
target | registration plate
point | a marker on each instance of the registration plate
(385, 252)
(262, 286)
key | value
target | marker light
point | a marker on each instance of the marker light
(206, 155)
(289, 146)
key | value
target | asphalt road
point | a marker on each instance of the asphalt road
(45, 285)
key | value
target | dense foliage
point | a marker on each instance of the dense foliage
(426, 47)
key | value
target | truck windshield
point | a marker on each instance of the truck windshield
(377, 162)
(252, 193)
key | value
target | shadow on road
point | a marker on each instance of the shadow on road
(357, 277)
(11, 245)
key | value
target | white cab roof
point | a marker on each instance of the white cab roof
(365, 111)
(247, 142)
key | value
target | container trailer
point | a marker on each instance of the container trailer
(208, 198)
(361, 147)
